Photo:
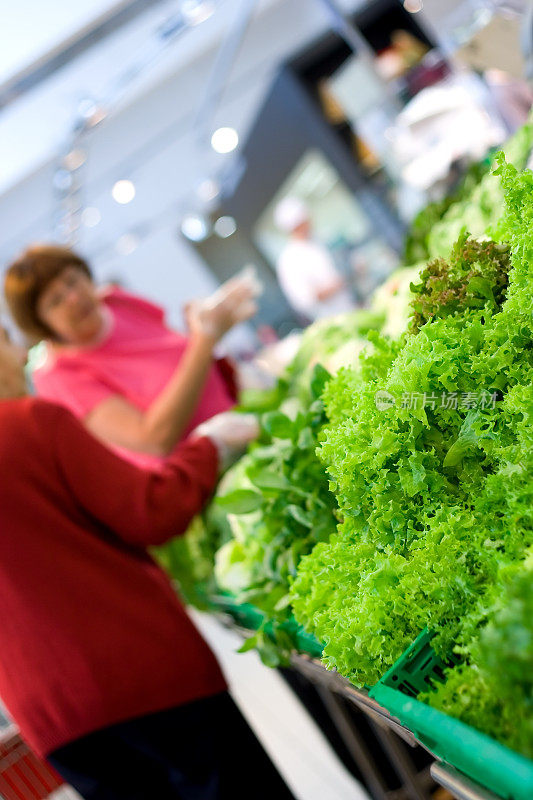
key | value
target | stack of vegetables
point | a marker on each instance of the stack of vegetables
(435, 487)
(477, 204)
(397, 494)
(274, 505)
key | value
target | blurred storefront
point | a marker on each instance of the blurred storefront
(365, 110)
(367, 124)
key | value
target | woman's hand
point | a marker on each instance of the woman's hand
(231, 433)
(232, 303)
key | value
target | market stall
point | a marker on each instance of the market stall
(378, 536)
(368, 534)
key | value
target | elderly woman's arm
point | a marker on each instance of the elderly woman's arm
(157, 430)
(143, 507)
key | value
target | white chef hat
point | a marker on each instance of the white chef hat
(289, 213)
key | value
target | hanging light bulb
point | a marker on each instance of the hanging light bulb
(196, 11)
(62, 180)
(90, 112)
(194, 227)
(208, 190)
(413, 6)
(224, 140)
(224, 227)
(90, 217)
(74, 159)
(126, 244)
(123, 192)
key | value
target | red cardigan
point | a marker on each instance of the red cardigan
(91, 631)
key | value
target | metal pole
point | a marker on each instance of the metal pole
(345, 28)
(459, 785)
(355, 39)
(410, 777)
(353, 742)
(222, 66)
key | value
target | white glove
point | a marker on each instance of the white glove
(233, 302)
(230, 432)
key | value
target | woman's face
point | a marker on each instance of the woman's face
(70, 307)
(12, 358)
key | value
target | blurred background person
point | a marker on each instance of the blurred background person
(111, 359)
(305, 269)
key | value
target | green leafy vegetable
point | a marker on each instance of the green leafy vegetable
(416, 480)
(297, 508)
(475, 276)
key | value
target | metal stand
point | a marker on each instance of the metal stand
(315, 671)
(416, 784)
(334, 691)
(459, 785)
(354, 743)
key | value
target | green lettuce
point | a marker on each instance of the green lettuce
(420, 540)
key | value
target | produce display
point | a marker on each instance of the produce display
(476, 204)
(416, 247)
(393, 299)
(280, 510)
(430, 458)
(493, 689)
(482, 207)
(403, 473)
(275, 503)
(391, 490)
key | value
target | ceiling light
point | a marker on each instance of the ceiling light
(126, 244)
(86, 108)
(194, 227)
(62, 180)
(99, 115)
(413, 6)
(196, 11)
(123, 192)
(90, 112)
(225, 226)
(90, 217)
(224, 140)
(75, 159)
(208, 190)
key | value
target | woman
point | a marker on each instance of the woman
(101, 668)
(111, 359)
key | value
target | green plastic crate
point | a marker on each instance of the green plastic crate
(251, 618)
(481, 758)
(244, 614)
(417, 668)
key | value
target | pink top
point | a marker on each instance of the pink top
(136, 360)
